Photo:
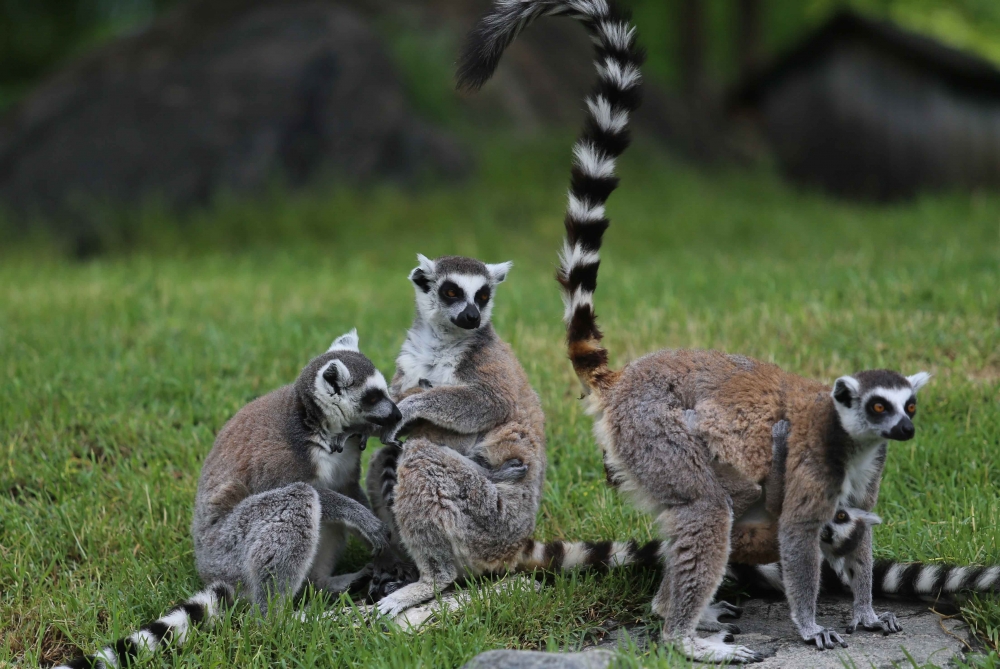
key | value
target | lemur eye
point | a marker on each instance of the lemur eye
(911, 408)
(450, 293)
(841, 516)
(483, 296)
(878, 408)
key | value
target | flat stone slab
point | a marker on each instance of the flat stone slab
(530, 659)
(767, 627)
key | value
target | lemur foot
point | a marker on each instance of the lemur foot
(824, 638)
(779, 431)
(714, 649)
(887, 623)
(709, 621)
(425, 384)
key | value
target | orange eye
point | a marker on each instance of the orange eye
(450, 293)
(483, 297)
(878, 408)
(911, 408)
(841, 516)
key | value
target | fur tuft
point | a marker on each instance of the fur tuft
(204, 607)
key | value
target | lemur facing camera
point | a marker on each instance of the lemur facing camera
(697, 479)
(278, 493)
(463, 490)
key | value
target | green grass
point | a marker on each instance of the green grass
(117, 373)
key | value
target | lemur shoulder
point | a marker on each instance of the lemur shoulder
(278, 493)
(684, 475)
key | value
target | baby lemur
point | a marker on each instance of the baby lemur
(463, 490)
(278, 493)
(696, 481)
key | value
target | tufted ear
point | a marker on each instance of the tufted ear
(336, 376)
(498, 272)
(423, 273)
(346, 342)
(918, 380)
(846, 390)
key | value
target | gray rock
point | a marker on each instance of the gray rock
(529, 659)
(768, 628)
(218, 95)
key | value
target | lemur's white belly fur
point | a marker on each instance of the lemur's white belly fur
(335, 470)
(425, 356)
(860, 470)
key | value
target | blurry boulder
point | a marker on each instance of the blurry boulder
(218, 95)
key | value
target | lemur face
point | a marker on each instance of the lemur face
(455, 293)
(346, 388)
(878, 404)
(843, 534)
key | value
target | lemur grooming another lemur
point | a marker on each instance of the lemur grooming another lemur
(278, 493)
(696, 479)
(462, 492)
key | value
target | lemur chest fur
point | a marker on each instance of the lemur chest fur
(860, 470)
(334, 471)
(426, 355)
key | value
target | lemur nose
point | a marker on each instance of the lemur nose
(468, 319)
(903, 430)
(391, 418)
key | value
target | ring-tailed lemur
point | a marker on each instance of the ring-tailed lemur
(277, 494)
(468, 480)
(837, 445)
(906, 580)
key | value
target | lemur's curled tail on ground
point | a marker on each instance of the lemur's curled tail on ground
(903, 580)
(605, 136)
(559, 555)
(204, 608)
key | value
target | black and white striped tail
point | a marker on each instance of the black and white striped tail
(604, 138)
(560, 555)
(203, 608)
(388, 482)
(907, 580)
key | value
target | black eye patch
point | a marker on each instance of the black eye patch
(482, 296)
(878, 408)
(450, 292)
(372, 397)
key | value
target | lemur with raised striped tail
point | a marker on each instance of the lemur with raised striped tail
(278, 493)
(463, 490)
(684, 475)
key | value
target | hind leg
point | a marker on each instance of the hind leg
(671, 470)
(281, 532)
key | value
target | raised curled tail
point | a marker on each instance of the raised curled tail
(605, 137)
(203, 608)
(564, 555)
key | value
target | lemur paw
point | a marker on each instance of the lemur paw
(709, 621)
(824, 638)
(425, 384)
(887, 623)
(780, 430)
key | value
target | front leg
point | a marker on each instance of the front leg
(798, 543)
(858, 566)
(471, 409)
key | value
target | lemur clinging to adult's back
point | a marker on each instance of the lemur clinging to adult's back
(277, 494)
(697, 479)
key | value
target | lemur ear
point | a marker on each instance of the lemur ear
(346, 342)
(918, 380)
(336, 376)
(422, 273)
(499, 271)
(868, 517)
(846, 390)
